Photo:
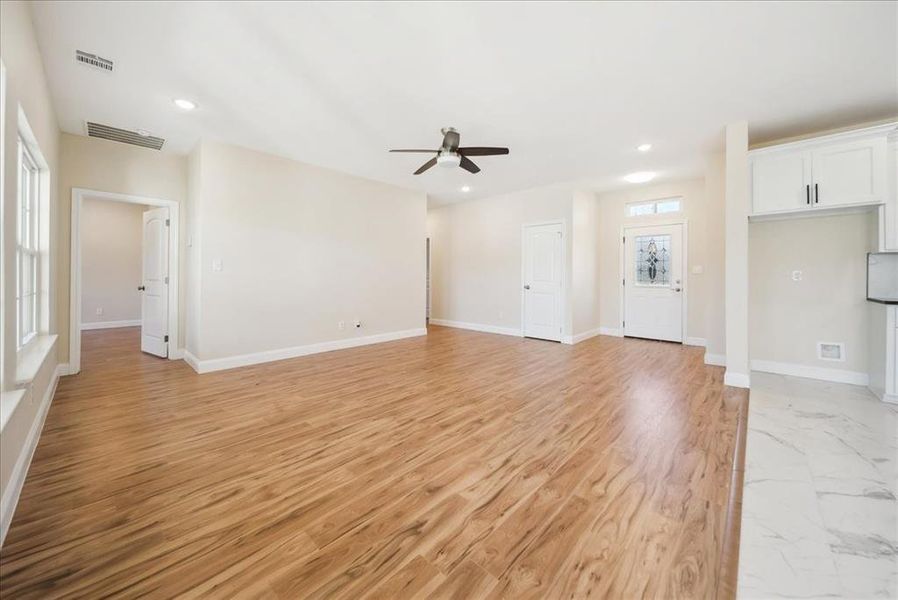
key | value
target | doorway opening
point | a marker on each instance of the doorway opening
(124, 269)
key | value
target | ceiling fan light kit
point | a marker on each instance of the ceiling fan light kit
(449, 154)
(448, 159)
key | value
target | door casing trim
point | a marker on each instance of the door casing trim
(78, 196)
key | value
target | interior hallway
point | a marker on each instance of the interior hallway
(464, 462)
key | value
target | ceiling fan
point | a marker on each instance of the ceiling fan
(450, 155)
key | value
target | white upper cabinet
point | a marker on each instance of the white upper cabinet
(833, 171)
(850, 173)
(781, 182)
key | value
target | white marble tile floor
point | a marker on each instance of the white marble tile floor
(819, 507)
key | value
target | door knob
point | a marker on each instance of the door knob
(526, 287)
(141, 288)
(676, 289)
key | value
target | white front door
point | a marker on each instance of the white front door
(653, 282)
(543, 265)
(154, 287)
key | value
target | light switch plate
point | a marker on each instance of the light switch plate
(216, 264)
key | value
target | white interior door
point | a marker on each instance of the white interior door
(543, 267)
(653, 282)
(154, 287)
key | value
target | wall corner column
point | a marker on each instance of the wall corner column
(736, 261)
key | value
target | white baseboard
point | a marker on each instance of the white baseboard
(20, 469)
(477, 327)
(882, 395)
(110, 324)
(811, 372)
(65, 370)
(718, 360)
(612, 331)
(176, 354)
(585, 335)
(739, 380)
(243, 360)
(696, 341)
(192, 360)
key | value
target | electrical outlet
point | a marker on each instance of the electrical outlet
(341, 325)
(216, 264)
(796, 275)
(99, 311)
(501, 315)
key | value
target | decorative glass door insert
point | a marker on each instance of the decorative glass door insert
(652, 260)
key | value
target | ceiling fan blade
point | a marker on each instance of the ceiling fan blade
(451, 140)
(467, 165)
(416, 150)
(426, 165)
(482, 151)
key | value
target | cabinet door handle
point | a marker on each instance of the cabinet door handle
(816, 194)
(807, 193)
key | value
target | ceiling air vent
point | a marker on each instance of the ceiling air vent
(124, 136)
(94, 61)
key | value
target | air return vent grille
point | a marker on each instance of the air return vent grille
(92, 60)
(124, 136)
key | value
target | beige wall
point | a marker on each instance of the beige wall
(586, 249)
(26, 89)
(111, 262)
(301, 248)
(715, 251)
(788, 318)
(613, 217)
(476, 256)
(193, 256)
(106, 166)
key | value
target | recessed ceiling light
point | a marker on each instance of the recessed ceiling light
(644, 147)
(640, 176)
(184, 104)
(466, 188)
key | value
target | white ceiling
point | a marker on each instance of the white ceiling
(571, 88)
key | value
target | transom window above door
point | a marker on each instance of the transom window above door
(654, 207)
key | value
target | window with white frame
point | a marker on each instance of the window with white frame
(27, 248)
(654, 207)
